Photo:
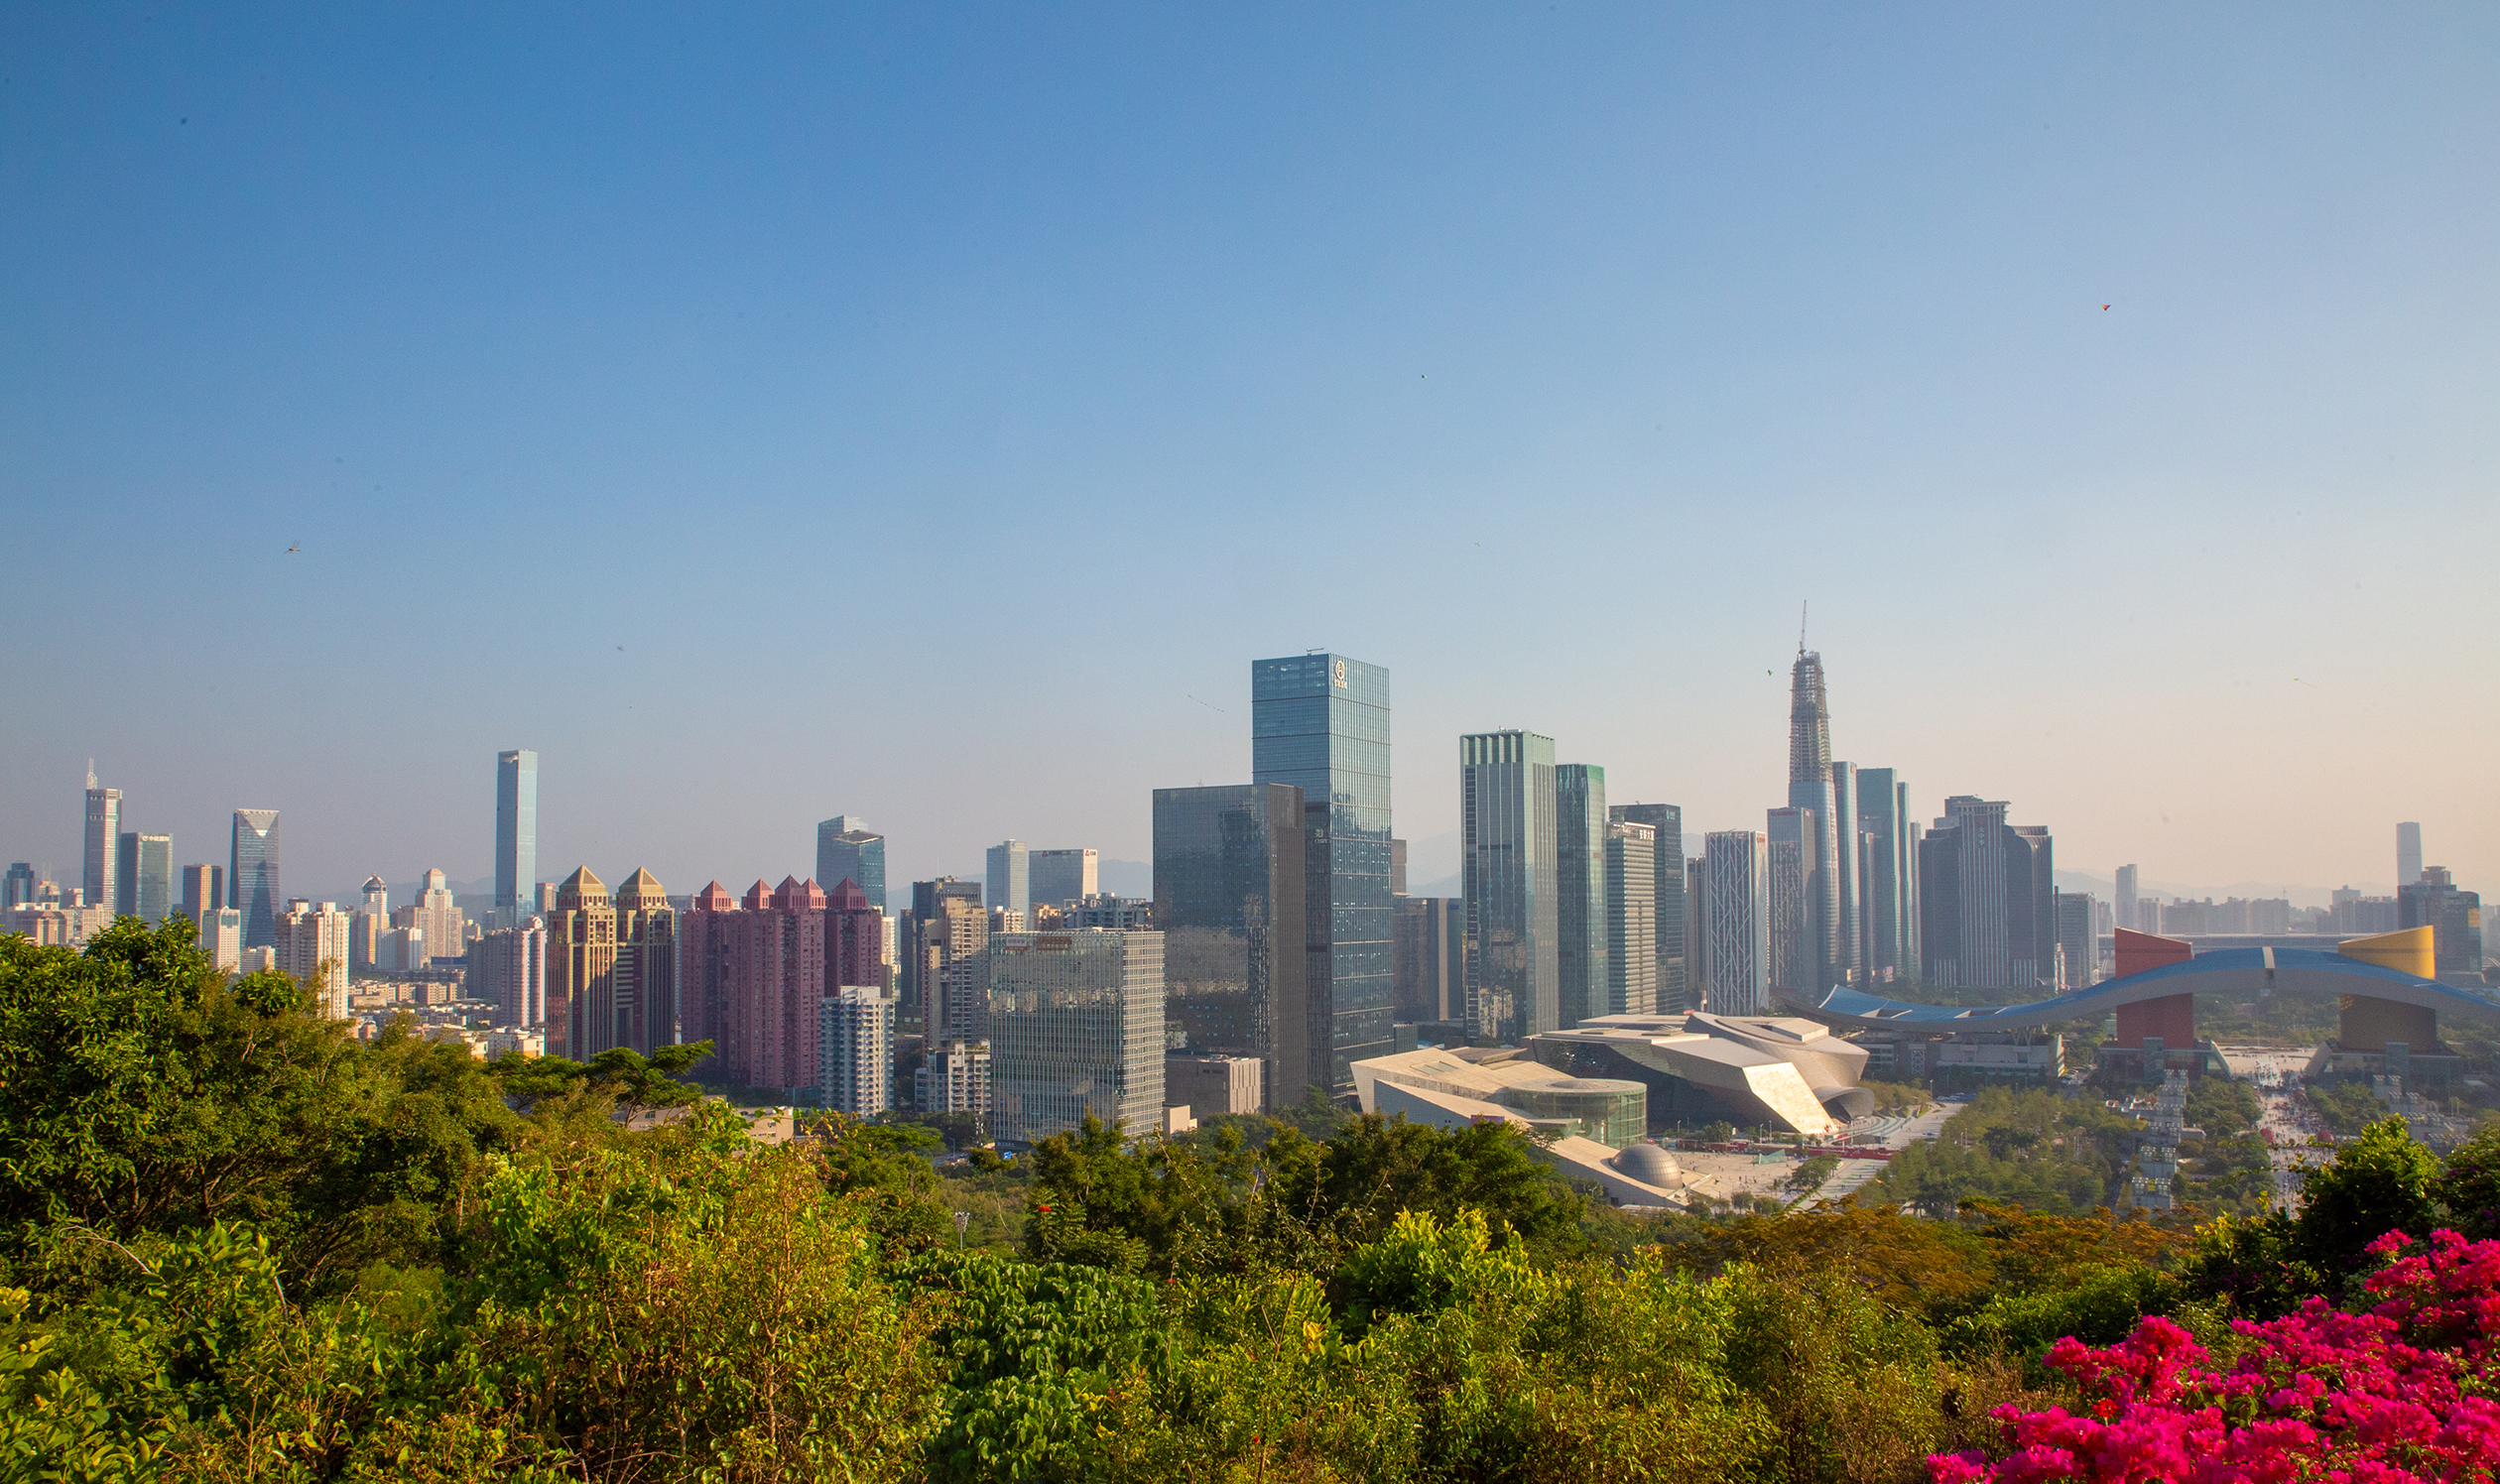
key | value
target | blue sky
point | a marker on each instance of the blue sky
(927, 413)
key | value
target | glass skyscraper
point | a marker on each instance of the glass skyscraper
(1847, 964)
(1888, 891)
(847, 850)
(1010, 878)
(252, 875)
(1229, 884)
(1506, 864)
(1320, 722)
(147, 877)
(1809, 788)
(1579, 874)
(516, 836)
(1677, 988)
(1075, 1027)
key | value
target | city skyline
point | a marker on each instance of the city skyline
(1442, 866)
(1685, 284)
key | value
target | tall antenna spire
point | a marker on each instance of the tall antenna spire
(1801, 626)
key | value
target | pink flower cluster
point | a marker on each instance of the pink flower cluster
(2396, 1396)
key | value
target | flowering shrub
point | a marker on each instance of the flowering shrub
(2399, 1393)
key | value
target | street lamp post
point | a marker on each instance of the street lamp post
(962, 1219)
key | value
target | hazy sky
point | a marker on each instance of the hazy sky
(928, 413)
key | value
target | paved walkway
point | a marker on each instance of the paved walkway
(1896, 1132)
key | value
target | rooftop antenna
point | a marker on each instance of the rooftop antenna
(91, 773)
(1801, 626)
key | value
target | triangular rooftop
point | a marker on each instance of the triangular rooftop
(642, 889)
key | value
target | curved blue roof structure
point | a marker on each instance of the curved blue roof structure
(2242, 974)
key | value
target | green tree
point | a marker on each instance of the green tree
(2468, 1189)
(2346, 1107)
(2379, 1181)
(1362, 1179)
(2222, 1107)
(142, 1092)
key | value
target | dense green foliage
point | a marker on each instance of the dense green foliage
(2346, 1107)
(2035, 1149)
(2221, 1107)
(241, 1244)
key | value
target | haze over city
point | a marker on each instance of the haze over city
(927, 416)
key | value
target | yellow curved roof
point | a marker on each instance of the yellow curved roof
(2408, 951)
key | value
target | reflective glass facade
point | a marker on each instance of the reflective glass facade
(847, 850)
(147, 877)
(1631, 918)
(1075, 1027)
(1579, 900)
(516, 836)
(1809, 788)
(1320, 722)
(1507, 873)
(252, 875)
(1674, 978)
(1010, 877)
(1886, 892)
(1842, 841)
(1229, 884)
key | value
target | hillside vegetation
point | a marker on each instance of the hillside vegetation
(237, 1243)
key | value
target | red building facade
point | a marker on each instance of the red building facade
(755, 969)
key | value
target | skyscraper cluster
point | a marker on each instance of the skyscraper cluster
(1280, 946)
(1567, 913)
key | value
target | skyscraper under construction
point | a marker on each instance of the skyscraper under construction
(1809, 788)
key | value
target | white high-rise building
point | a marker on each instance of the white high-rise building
(1632, 918)
(221, 938)
(511, 973)
(373, 918)
(855, 1050)
(2408, 846)
(954, 1078)
(103, 876)
(445, 926)
(1736, 922)
(312, 947)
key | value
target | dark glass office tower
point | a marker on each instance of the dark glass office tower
(848, 850)
(252, 875)
(516, 836)
(147, 877)
(1884, 894)
(1579, 897)
(1673, 959)
(1229, 884)
(1506, 870)
(1320, 722)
